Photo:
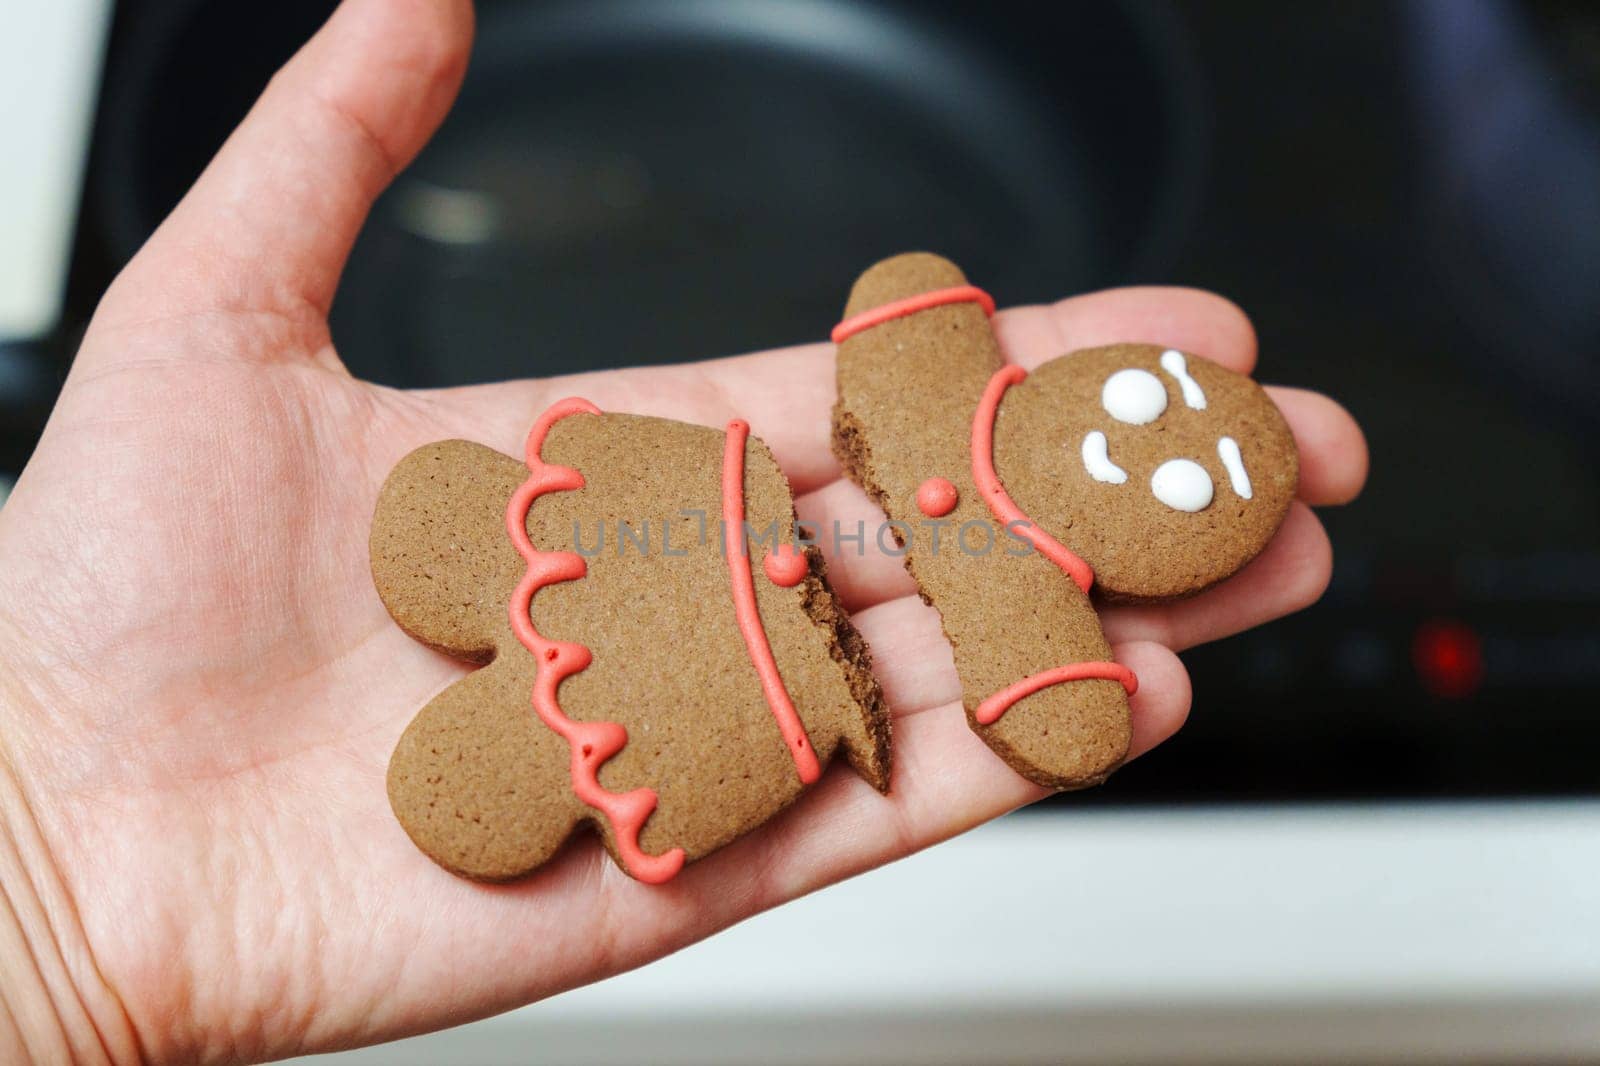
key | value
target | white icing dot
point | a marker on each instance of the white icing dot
(1228, 452)
(1172, 362)
(1136, 397)
(1098, 463)
(1182, 484)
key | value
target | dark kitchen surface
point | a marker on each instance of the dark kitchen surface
(1406, 198)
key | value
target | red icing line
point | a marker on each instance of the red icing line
(1005, 510)
(910, 305)
(591, 743)
(785, 565)
(1008, 514)
(990, 710)
(744, 606)
(937, 497)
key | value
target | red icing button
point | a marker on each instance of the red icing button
(785, 565)
(936, 497)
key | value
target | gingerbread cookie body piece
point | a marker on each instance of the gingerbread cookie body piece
(969, 458)
(671, 694)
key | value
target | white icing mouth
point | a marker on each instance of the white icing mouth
(1136, 397)
(1172, 362)
(1228, 452)
(1182, 484)
(1098, 463)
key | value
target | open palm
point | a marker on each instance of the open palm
(204, 689)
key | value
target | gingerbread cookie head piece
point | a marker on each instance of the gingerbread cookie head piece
(662, 662)
(1165, 472)
(1145, 472)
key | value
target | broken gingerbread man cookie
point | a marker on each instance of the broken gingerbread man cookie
(1142, 472)
(647, 668)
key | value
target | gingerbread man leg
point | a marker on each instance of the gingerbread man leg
(476, 780)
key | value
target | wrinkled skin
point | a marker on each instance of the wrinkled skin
(200, 688)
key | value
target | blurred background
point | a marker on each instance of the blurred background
(1404, 196)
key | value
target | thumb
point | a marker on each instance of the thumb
(267, 227)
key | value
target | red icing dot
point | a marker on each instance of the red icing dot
(936, 497)
(785, 565)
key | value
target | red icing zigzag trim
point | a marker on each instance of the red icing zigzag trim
(591, 743)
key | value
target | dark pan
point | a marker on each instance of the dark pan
(641, 182)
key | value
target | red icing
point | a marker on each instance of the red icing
(910, 306)
(591, 743)
(785, 565)
(744, 606)
(937, 497)
(1006, 512)
(990, 710)
(1009, 515)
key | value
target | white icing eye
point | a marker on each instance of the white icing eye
(1172, 362)
(1136, 397)
(1233, 462)
(1098, 463)
(1182, 485)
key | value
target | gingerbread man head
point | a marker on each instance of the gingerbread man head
(1165, 472)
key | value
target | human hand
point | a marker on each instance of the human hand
(201, 690)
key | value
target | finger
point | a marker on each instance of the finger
(787, 395)
(1333, 459)
(268, 225)
(1162, 705)
(913, 662)
(1289, 576)
(861, 570)
(1196, 321)
(911, 658)
(1333, 450)
(945, 783)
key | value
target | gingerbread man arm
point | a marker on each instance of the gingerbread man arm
(439, 561)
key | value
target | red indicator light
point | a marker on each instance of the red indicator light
(1448, 656)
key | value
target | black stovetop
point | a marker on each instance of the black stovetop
(1405, 197)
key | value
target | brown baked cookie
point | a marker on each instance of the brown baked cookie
(1164, 488)
(638, 677)
(1146, 471)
